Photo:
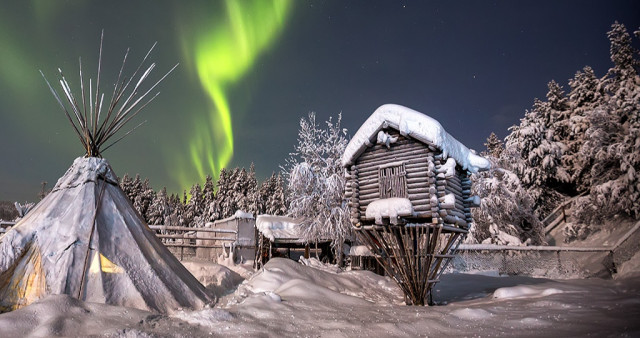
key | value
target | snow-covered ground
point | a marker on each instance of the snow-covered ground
(289, 299)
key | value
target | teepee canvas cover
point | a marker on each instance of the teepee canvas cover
(86, 240)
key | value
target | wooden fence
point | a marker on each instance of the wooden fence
(4, 225)
(186, 237)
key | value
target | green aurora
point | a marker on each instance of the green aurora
(223, 52)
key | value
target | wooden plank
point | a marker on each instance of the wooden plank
(177, 228)
(197, 237)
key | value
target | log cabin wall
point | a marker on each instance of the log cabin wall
(458, 185)
(411, 158)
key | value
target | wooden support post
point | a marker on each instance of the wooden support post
(306, 251)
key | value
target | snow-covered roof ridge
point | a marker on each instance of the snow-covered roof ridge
(86, 169)
(417, 125)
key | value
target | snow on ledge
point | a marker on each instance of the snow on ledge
(389, 207)
(282, 227)
(417, 125)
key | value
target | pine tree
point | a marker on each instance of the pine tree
(217, 210)
(159, 208)
(195, 207)
(144, 198)
(537, 157)
(126, 184)
(584, 97)
(613, 138)
(494, 145)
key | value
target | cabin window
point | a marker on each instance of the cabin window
(392, 181)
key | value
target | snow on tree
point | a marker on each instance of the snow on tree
(613, 138)
(506, 207)
(208, 191)
(272, 199)
(494, 145)
(176, 218)
(584, 96)
(159, 208)
(219, 208)
(195, 207)
(537, 156)
(276, 201)
(144, 198)
(316, 182)
(126, 184)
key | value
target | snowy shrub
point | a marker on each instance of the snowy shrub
(317, 181)
(506, 207)
(577, 232)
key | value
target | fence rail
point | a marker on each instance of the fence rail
(550, 261)
(177, 228)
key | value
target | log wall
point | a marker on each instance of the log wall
(426, 182)
(363, 177)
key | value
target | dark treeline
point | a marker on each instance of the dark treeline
(236, 189)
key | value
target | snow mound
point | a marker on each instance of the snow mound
(522, 291)
(417, 125)
(218, 278)
(62, 315)
(291, 280)
(206, 317)
(472, 314)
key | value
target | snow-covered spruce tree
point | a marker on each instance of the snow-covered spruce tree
(126, 184)
(277, 201)
(219, 208)
(494, 145)
(316, 182)
(586, 93)
(272, 199)
(195, 207)
(613, 138)
(143, 199)
(506, 213)
(536, 157)
(176, 218)
(159, 208)
(265, 191)
(245, 191)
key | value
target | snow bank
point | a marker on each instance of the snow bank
(290, 280)
(62, 315)
(523, 291)
(417, 125)
(274, 227)
(306, 302)
(217, 278)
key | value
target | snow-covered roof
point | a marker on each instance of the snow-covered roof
(86, 169)
(417, 125)
(278, 227)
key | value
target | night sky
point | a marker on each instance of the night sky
(249, 70)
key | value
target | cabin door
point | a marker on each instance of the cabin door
(392, 181)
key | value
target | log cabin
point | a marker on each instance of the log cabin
(408, 189)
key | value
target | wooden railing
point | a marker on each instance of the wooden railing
(4, 225)
(558, 215)
(188, 237)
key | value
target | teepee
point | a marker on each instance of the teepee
(84, 238)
